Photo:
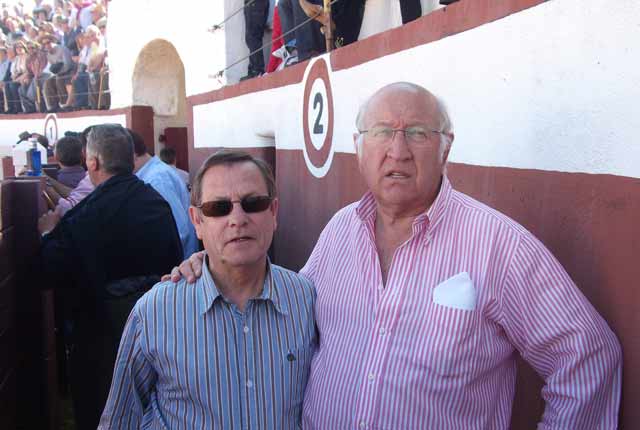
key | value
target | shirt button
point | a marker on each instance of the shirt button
(363, 425)
(380, 288)
(246, 329)
(382, 331)
(371, 376)
(249, 383)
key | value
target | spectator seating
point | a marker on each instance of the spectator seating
(54, 59)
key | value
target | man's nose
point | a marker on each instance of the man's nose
(237, 216)
(399, 146)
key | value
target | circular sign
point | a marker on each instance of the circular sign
(51, 128)
(317, 118)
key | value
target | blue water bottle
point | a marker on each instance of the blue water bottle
(36, 164)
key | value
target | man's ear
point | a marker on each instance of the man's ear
(275, 205)
(93, 163)
(356, 143)
(447, 146)
(196, 219)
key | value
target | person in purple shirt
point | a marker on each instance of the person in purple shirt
(69, 155)
(61, 197)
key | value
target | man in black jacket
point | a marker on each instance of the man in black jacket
(104, 254)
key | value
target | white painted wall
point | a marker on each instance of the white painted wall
(554, 87)
(133, 24)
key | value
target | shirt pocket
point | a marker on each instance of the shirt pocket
(451, 340)
(295, 363)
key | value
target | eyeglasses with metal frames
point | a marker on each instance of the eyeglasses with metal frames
(415, 134)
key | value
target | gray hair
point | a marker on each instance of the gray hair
(112, 145)
(446, 125)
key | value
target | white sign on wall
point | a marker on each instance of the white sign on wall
(318, 117)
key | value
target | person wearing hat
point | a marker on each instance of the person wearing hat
(33, 99)
(61, 67)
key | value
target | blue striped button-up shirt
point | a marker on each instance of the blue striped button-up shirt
(189, 359)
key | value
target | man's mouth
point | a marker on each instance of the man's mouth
(240, 239)
(397, 175)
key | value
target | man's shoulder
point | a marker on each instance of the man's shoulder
(347, 214)
(163, 175)
(289, 279)
(164, 295)
(492, 217)
(143, 194)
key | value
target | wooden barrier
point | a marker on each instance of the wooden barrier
(28, 372)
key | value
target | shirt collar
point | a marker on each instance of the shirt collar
(366, 208)
(270, 290)
(438, 208)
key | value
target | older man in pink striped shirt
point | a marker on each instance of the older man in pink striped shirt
(425, 294)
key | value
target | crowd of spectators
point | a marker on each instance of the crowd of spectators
(53, 57)
(299, 28)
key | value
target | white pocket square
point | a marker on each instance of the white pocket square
(456, 292)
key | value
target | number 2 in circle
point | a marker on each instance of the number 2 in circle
(317, 127)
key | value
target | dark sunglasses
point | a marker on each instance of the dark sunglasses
(250, 204)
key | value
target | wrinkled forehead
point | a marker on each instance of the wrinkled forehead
(403, 104)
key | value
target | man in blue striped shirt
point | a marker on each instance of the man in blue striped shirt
(232, 350)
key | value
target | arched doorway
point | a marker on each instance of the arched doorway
(159, 82)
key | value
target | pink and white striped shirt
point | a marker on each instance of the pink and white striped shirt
(412, 356)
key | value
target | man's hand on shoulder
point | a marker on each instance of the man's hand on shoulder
(190, 269)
